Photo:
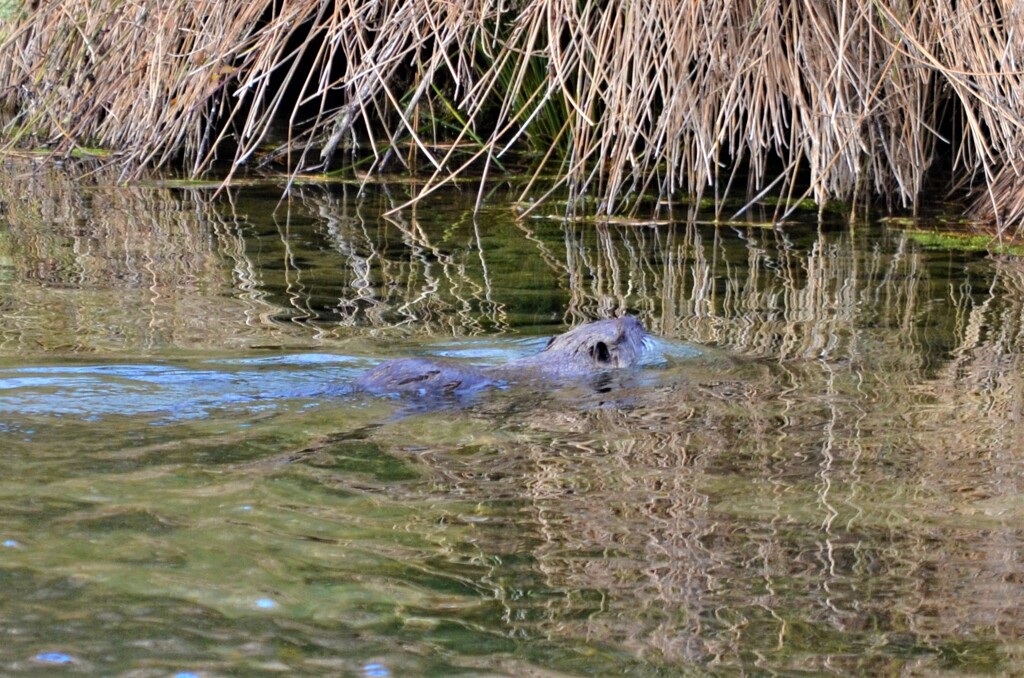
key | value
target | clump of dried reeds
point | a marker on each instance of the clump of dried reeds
(848, 99)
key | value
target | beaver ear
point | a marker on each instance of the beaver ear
(600, 352)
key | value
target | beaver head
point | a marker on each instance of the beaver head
(605, 344)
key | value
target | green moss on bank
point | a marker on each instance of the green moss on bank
(966, 242)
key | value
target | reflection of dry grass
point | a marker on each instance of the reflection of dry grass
(760, 295)
(396, 273)
(102, 267)
(721, 507)
(834, 298)
(981, 389)
(796, 520)
(764, 508)
(98, 267)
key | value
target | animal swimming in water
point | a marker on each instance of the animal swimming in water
(591, 348)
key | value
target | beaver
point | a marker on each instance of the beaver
(587, 349)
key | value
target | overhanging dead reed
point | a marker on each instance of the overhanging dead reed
(845, 100)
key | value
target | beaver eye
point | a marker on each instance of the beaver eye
(600, 352)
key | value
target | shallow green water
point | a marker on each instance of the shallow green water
(817, 469)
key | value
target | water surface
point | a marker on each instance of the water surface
(817, 469)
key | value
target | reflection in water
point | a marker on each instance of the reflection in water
(831, 483)
(93, 391)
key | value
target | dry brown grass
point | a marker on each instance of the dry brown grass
(849, 100)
